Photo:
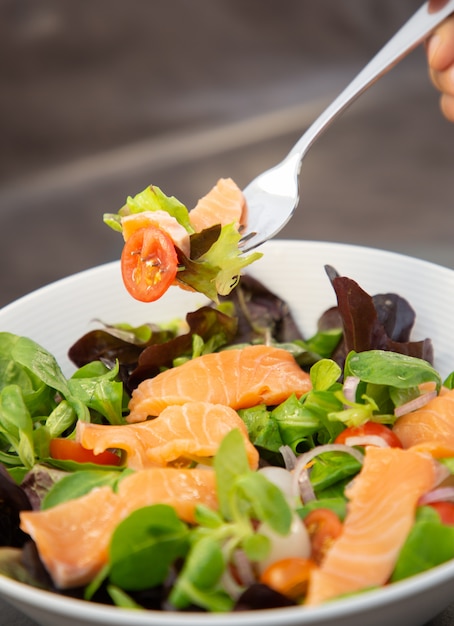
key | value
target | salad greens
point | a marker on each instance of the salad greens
(364, 337)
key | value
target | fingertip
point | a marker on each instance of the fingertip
(432, 47)
(447, 106)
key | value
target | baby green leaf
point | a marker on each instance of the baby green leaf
(229, 463)
(390, 368)
(144, 546)
(267, 502)
(324, 374)
(197, 583)
(78, 484)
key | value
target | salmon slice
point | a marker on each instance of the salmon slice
(223, 204)
(178, 234)
(381, 509)
(181, 433)
(238, 378)
(73, 537)
(430, 428)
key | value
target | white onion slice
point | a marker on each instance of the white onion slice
(366, 440)
(305, 489)
(349, 387)
(441, 473)
(437, 495)
(301, 474)
(416, 403)
(289, 457)
(244, 568)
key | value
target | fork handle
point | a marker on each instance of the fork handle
(410, 35)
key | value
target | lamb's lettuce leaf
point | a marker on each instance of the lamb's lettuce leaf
(429, 543)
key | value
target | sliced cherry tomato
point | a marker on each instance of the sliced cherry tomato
(370, 429)
(445, 510)
(149, 263)
(323, 526)
(70, 450)
(289, 577)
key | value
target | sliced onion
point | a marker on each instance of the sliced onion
(441, 494)
(366, 440)
(441, 473)
(289, 457)
(301, 474)
(305, 489)
(416, 403)
(350, 386)
(244, 568)
(233, 588)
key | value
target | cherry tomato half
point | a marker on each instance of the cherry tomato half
(149, 263)
(445, 510)
(367, 429)
(289, 576)
(70, 450)
(323, 526)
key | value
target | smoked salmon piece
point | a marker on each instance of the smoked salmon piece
(178, 234)
(73, 537)
(181, 434)
(223, 204)
(382, 501)
(430, 428)
(239, 378)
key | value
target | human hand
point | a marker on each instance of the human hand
(440, 57)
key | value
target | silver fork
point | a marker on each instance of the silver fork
(273, 196)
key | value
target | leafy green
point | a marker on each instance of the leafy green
(101, 393)
(79, 483)
(198, 582)
(38, 403)
(150, 199)
(217, 271)
(390, 368)
(145, 545)
(428, 544)
(332, 468)
(338, 504)
(449, 381)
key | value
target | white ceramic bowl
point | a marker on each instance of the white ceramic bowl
(57, 315)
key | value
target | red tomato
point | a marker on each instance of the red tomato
(323, 526)
(445, 510)
(149, 263)
(370, 428)
(289, 576)
(69, 450)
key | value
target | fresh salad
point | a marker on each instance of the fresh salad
(259, 507)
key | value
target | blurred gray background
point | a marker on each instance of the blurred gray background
(98, 99)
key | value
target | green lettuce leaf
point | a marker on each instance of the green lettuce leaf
(217, 271)
(150, 199)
